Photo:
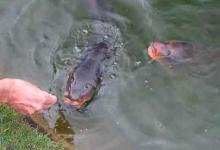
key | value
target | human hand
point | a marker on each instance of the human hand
(27, 98)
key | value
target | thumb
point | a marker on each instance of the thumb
(49, 99)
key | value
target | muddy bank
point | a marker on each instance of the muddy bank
(60, 135)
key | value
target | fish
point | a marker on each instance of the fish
(182, 57)
(176, 56)
(173, 51)
(85, 79)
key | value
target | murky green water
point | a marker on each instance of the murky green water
(142, 106)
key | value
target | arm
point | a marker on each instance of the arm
(24, 97)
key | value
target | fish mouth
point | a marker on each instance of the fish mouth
(152, 51)
(78, 103)
(156, 53)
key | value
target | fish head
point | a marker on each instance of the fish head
(158, 50)
(79, 92)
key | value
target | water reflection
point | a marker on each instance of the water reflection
(143, 107)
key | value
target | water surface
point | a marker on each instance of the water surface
(140, 105)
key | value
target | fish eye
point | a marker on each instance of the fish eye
(86, 86)
(169, 52)
(154, 49)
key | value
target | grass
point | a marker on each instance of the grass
(16, 135)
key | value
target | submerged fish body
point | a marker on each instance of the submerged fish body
(180, 57)
(85, 69)
(84, 81)
(102, 39)
(177, 57)
(173, 52)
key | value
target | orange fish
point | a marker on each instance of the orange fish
(181, 58)
(172, 52)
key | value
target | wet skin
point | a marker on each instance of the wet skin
(172, 52)
(85, 79)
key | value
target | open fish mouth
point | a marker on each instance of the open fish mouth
(80, 102)
(152, 51)
(156, 52)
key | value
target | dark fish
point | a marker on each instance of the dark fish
(85, 79)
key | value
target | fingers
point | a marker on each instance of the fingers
(29, 110)
(29, 103)
(25, 110)
(27, 98)
(49, 99)
(40, 99)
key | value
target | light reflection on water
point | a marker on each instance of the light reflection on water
(144, 107)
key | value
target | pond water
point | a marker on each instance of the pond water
(140, 105)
